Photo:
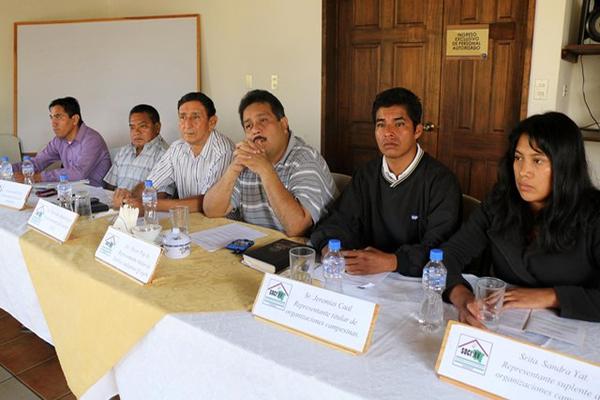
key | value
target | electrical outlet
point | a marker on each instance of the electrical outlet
(274, 82)
(540, 89)
(565, 90)
(248, 81)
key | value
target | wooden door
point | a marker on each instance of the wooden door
(377, 45)
(372, 45)
(481, 99)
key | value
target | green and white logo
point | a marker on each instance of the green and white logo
(472, 354)
(38, 214)
(277, 294)
(108, 245)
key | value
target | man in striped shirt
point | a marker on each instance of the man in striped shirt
(133, 162)
(275, 179)
(194, 162)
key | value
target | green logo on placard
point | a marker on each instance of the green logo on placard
(38, 214)
(472, 354)
(277, 294)
(108, 245)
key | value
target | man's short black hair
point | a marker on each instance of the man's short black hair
(261, 96)
(70, 105)
(148, 110)
(399, 96)
(208, 104)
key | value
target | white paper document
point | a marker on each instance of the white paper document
(216, 238)
(545, 322)
(365, 281)
(52, 185)
(514, 318)
(358, 281)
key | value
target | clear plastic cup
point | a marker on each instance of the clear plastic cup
(302, 261)
(489, 293)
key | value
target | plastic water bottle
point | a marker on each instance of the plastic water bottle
(65, 193)
(6, 171)
(150, 200)
(28, 170)
(431, 317)
(334, 266)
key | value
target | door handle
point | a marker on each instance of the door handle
(429, 126)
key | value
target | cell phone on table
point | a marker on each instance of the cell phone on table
(240, 245)
(45, 192)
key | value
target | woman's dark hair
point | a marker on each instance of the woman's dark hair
(572, 202)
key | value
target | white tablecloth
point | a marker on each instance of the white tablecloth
(234, 356)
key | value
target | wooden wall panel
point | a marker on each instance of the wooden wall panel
(366, 13)
(362, 134)
(469, 11)
(362, 156)
(365, 79)
(500, 85)
(466, 94)
(408, 68)
(478, 179)
(409, 11)
(462, 169)
(504, 9)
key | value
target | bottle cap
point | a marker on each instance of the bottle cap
(148, 183)
(334, 245)
(436, 255)
(26, 158)
(63, 178)
(4, 158)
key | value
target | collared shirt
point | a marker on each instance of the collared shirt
(192, 175)
(129, 168)
(302, 171)
(394, 180)
(86, 157)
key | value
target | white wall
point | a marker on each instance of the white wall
(546, 65)
(258, 37)
(556, 25)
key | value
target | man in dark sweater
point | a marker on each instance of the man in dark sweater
(398, 206)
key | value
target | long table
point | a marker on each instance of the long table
(214, 355)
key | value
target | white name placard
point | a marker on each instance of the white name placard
(337, 319)
(496, 365)
(52, 220)
(134, 257)
(13, 194)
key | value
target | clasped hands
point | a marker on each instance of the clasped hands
(367, 261)
(251, 155)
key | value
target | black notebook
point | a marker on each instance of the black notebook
(272, 258)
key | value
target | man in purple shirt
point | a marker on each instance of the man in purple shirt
(80, 149)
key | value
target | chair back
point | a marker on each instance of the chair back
(9, 146)
(469, 204)
(341, 181)
(482, 265)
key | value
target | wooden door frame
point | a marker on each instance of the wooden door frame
(329, 42)
(330, 11)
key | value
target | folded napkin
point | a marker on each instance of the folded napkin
(127, 218)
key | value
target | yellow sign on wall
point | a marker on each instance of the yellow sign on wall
(467, 41)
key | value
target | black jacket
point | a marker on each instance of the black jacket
(575, 274)
(409, 219)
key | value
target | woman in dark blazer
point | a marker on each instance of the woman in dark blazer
(541, 224)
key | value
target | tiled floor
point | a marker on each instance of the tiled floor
(29, 368)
